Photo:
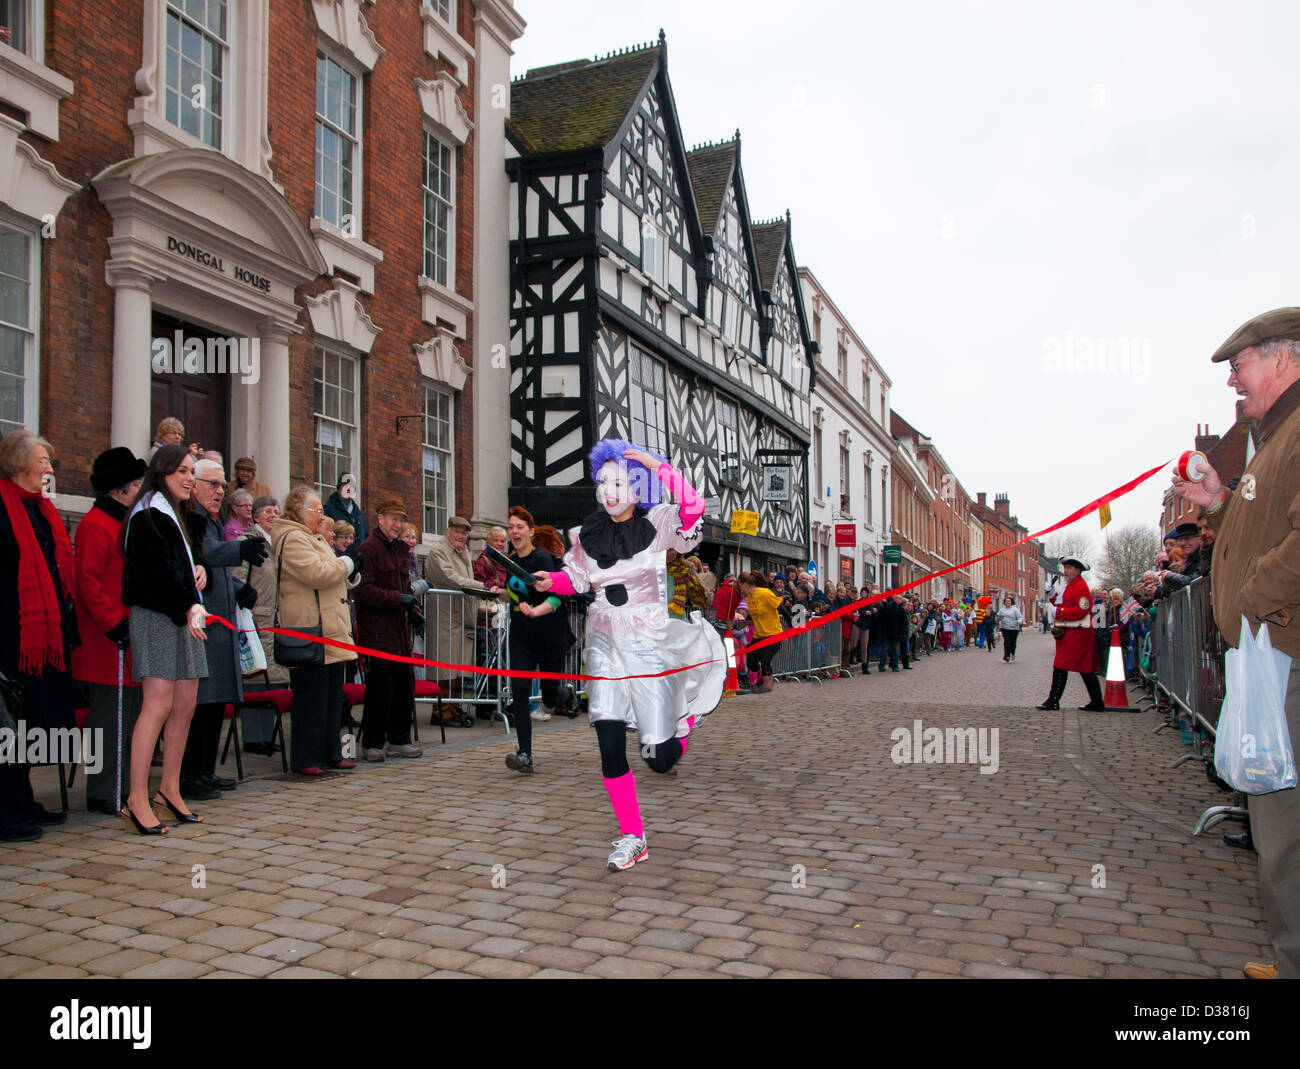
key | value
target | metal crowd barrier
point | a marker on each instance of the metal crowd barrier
(1184, 666)
(1186, 659)
(478, 636)
(812, 654)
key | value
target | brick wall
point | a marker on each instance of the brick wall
(77, 303)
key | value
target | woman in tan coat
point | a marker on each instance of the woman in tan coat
(313, 588)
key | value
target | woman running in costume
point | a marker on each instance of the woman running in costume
(619, 553)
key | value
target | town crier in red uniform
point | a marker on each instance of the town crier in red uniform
(1075, 649)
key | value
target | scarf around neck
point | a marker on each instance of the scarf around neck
(40, 616)
(609, 542)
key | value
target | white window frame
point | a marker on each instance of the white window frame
(354, 229)
(654, 252)
(31, 355)
(817, 497)
(846, 489)
(34, 15)
(866, 481)
(429, 512)
(637, 390)
(176, 8)
(449, 267)
(728, 475)
(450, 17)
(321, 353)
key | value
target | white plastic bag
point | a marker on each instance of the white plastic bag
(1252, 747)
(252, 658)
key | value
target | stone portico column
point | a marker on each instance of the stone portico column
(273, 432)
(131, 424)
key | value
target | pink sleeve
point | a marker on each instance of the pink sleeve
(561, 583)
(690, 506)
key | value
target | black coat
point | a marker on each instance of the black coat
(156, 571)
(892, 621)
(47, 699)
(223, 682)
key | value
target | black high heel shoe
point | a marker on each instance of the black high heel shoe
(128, 818)
(184, 818)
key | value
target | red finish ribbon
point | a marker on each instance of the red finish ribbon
(818, 622)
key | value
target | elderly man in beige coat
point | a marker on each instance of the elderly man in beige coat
(450, 638)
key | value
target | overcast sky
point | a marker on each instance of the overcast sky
(993, 192)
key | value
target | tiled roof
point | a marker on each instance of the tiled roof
(711, 167)
(769, 243)
(570, 106)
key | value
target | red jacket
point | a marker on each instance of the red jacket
(726, 600)
(1076, 651)
(99, 599)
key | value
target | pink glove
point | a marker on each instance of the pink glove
(561, 583)
(690, 506)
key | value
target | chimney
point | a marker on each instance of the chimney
(983, 498)
(1205, 441)
(1002, 506)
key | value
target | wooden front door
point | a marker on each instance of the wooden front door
(200, 401)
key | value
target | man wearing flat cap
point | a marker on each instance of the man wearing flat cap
(384, 602)
(1076, 650)
(1257, 575)
(447, 567)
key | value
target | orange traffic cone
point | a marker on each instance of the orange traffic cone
(733, 682)
(1116, 691)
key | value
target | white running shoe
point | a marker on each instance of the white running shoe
(627, 852)
(542, 713)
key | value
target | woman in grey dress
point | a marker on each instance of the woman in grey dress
(162, 577)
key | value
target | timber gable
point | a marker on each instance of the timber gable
(637, 301)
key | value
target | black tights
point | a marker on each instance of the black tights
(612, 736)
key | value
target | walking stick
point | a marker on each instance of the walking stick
(117, 777)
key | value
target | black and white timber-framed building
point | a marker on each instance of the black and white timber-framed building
(646, 304)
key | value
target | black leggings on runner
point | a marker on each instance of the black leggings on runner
(612, 736)
(1009, 639)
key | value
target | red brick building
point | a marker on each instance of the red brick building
(911, 496)
(284, 224)
(1015, 571)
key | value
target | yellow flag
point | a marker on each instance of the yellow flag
(1104, 514)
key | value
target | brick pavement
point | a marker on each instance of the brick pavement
(789, 844)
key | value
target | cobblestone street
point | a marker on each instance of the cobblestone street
(788, 843)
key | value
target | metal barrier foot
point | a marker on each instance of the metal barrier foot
(1217, 814)
(1187, 757)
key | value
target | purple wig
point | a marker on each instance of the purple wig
(644, 483)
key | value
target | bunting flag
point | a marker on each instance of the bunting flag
(1104, 514)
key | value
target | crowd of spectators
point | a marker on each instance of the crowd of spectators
(891, 633)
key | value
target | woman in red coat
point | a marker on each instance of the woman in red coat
(1075, 649)
(103, 622)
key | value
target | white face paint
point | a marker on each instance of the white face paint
(613, 492)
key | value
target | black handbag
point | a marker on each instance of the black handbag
(293, 652)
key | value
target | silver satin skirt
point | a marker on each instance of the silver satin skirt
(655, 707)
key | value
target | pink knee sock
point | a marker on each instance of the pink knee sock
(622, 796)
(690, 726)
